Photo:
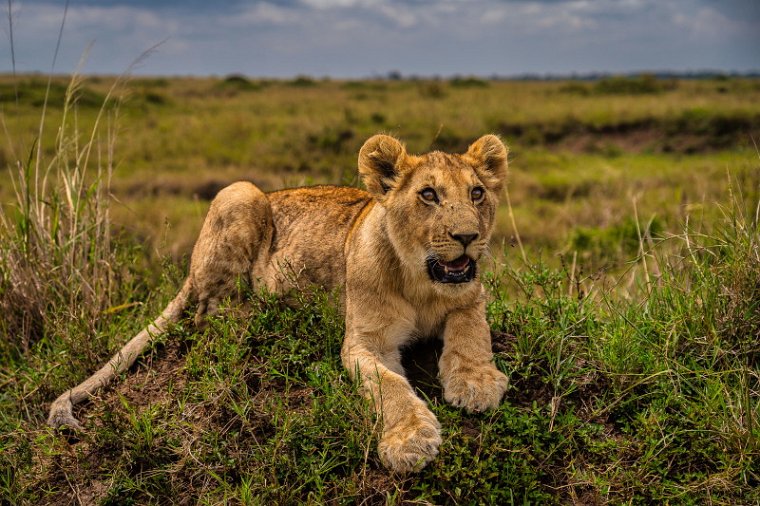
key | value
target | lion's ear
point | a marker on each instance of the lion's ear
(379, 160)
(490, 155)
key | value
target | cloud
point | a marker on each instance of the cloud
(713, 23)
(333, 4)
(263, 13)
(362, 37)
(121, 28)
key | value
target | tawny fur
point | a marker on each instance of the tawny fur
(373, 245)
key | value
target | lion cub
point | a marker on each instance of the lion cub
(405, 253)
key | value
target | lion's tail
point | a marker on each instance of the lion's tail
(61, 409)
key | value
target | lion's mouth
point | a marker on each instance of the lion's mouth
(460, 270)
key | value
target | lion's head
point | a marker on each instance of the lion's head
(439, 207)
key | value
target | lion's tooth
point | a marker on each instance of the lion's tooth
(445, 269)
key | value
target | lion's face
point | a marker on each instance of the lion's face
(440, 217)
(440, 207)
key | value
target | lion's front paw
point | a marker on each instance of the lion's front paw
(411, 443)
(476, 389)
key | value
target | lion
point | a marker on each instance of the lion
(405, 254)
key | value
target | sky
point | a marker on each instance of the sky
(366, 38)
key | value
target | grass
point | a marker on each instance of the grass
(630, 333)
(179, 137)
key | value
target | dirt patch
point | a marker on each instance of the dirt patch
(611, 143)
(694, 131)
(147, 381)
(502, 342)
(88, 494)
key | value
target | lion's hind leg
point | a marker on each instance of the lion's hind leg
(235, 238)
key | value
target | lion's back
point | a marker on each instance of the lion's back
(310, 229)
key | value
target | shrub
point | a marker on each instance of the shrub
(638, 85)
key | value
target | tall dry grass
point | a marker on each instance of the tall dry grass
(57, 255)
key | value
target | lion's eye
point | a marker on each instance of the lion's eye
(429, 195)
(477, 193)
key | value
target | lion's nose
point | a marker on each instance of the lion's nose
(465, 239)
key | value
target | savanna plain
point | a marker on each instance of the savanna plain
(624, 285)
